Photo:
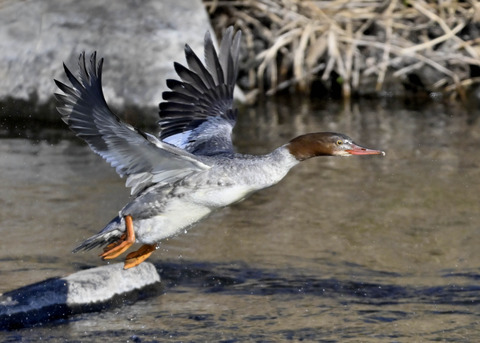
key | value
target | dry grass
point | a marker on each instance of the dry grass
(365, 46)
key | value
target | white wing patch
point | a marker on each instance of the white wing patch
(180, 140)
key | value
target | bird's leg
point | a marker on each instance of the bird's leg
(118, 247)
(135, 258)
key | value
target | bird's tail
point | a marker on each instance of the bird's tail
(109, 234)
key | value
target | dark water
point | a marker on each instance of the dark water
(343, 250)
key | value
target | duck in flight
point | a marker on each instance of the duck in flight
(191, 168)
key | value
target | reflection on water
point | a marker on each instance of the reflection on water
(344, 249)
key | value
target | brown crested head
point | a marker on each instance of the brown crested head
(326, 144)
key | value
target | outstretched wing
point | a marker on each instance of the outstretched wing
(197, 114)
(140, 156)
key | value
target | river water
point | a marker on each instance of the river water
(361, 249)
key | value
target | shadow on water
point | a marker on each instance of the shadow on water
(23, 119)
(240, 279)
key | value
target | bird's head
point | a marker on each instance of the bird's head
(326, 144)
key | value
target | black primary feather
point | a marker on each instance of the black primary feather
(202, 97)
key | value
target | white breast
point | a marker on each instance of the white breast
(177, 216)
(220, 196)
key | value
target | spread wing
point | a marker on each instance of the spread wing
(142, 157)
(197, 114)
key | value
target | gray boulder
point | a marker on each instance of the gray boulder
(85, 291)
(138, 39)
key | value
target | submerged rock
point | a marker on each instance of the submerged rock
(138, 39)
(85, 291)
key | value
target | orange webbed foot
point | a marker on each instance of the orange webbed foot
(126, 241)
(116, 243)
(135, 258)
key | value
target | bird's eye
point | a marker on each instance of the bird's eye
(339, 142)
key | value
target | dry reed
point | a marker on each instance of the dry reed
(365, 46)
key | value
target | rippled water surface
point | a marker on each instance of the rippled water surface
(364, 249)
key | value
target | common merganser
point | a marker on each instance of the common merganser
(191, 169)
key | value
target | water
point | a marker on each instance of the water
(363, 249)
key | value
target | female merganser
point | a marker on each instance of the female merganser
(191, 169)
